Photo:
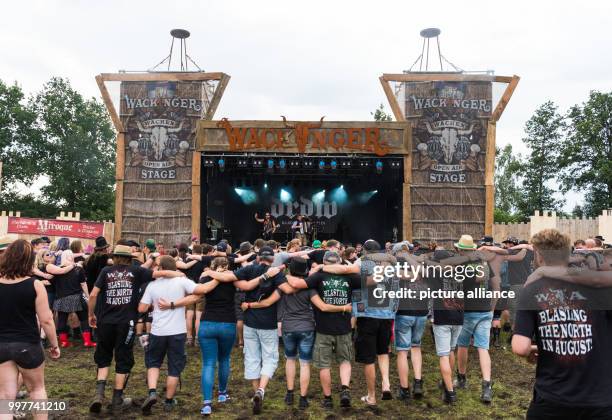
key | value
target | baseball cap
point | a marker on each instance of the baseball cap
(316, 244)
(222, 246)
(266, 251)
(486, 240)
(511, 240)
(150, 243)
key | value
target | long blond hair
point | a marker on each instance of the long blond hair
(39, 262)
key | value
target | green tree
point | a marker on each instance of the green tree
(381, 115)
(507, 172)
(544, 132)
(586, 152)
(20, 150)
(80, 155)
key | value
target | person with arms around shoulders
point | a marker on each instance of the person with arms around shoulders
(23, 304)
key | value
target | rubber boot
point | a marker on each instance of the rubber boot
(87, 340)
(63, 338)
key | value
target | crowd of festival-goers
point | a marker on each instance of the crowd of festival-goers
(318, 302)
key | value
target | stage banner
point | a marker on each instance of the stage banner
(52, 227)
(322, 215)
(160, 120)
(449, 142)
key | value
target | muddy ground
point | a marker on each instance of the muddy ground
(72, 378)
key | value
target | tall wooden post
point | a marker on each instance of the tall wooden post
(490, 178)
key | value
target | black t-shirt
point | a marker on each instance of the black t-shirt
(334, 289)
(474, 287)
(119, 293)
(518, 271)
(447, 310)
(50, 287)
(195, 271)
(95, 263)
(573, 332)
(70, 283)
(416, 306)
(262, 318)
(220, 302)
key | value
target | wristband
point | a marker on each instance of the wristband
(171, 305)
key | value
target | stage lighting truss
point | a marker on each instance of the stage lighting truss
(345, 164)
(308, 163)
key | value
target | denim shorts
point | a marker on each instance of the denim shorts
(445, 337)
(299, 342)
(409, 331)
(477, 324)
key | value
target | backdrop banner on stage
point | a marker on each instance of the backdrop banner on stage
(450, 143)
(160, 119)
(323, 214)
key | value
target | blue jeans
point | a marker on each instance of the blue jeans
(216, 343)
(299, 342)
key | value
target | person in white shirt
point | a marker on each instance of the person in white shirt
(168, 332)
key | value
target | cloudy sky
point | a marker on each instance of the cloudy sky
(311, 58)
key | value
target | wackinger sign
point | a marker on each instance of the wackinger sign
(378, 138)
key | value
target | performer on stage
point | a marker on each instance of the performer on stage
(301, 228)
(269, 225)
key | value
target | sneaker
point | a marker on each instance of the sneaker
(417, 388)
(328, 404)
(345, 398)
(289, 398)
(460, 382)
(404, 394)
(386, 396)
(487, 392)
(169, 405)
(223, 397)
(303, 405)
(449, 397)
(258, 401)
(206, 410)
(148, 404)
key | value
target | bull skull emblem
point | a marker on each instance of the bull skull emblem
(449, 137)
(159, 137)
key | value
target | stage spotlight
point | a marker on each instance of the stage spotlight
(318, 197)
(265, 186)
(209, 162)
(221, 163)
(247, 196)
(339, 195)
(307, 163)
(321, 165)
(364, 163)
(345, 164)
(379, 167)
(365, 197)
(257, 163)
(285, 196)
(242, 162)
(333, 165)
(294, 163)
(282, 164)
(395, 164)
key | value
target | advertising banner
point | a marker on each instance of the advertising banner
(52, 227)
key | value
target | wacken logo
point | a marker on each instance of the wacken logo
(305, 207)
(158, 148)
(448, 150)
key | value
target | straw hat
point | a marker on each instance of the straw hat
(122, 251)
(466, 242)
